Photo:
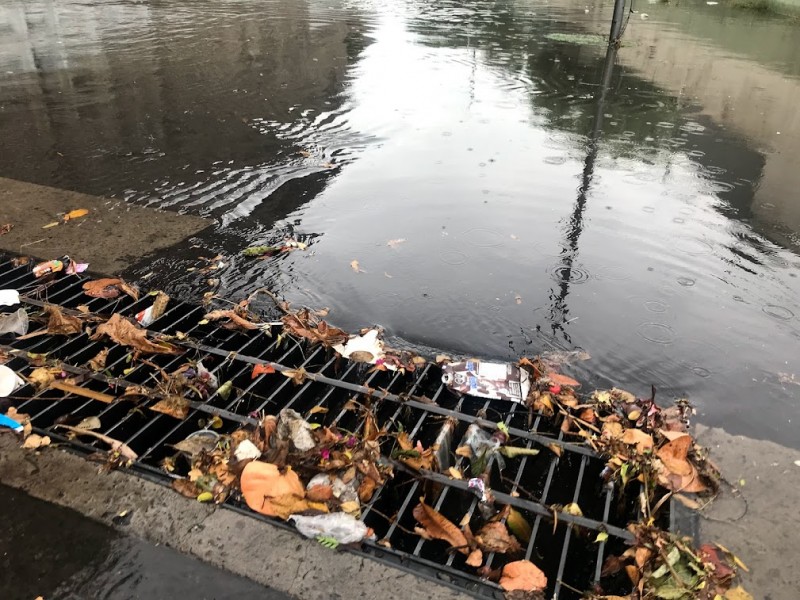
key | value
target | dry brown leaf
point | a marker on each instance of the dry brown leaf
(367, 489)
(185, 488)
(231, 315)
(319, 493)
(34, 441)
(123, 332)
(523, 575)
(612, 430)
(174, 406)
(494, 537)
(643, 441)
(98, 363)
(475, 558)
(103, 288)
(674, 455)
(61, 324)
(439, 527)
(297, 376)
(454, 473)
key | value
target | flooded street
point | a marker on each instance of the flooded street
(506, 185)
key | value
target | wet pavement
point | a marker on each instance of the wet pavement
(651, 220)
(59, 554)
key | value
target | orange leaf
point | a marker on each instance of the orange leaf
(674, 455)
(475, 558)
(262, 370)
(439, 527)
(523, 575)
(75, 214)
(558, 379)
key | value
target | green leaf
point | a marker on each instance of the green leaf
(502, 427)
(518, 525)
(671, 592)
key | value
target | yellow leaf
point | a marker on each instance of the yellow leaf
(205, 497)
(573, 509)
(737, 593)
(49, 225)
(317, 409)
(454, 473)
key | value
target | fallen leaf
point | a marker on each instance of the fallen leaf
(395, 243)
(4, 229)
(235, 320)
(710, 555)
(90, 423)
(270, 492)
(355, 266)
(174, 406)
(674, 455)
(518, 299)
(518, 525)
(523, 575)
(475, 558)
(103, 288)
(297, 376)
(601, 537)
(98, 363)
(454, 473)
(439, 527)
(319, 493)
(556, 449)
(34, 441)
(261, 370)
(494, 537)
(563, 380)
(42, 377)
(573, 509)
(643, 441)
(61, 324)
(185, 488)
(126, 333)
(738, 593)
(75, 214)
(367, 489)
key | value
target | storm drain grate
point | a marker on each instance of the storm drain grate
(564, 548)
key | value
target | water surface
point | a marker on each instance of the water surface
(639, 205)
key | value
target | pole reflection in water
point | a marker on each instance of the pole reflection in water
(559, 310)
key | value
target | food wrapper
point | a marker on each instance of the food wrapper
(496, 381)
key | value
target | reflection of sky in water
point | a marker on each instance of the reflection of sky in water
(463, 131)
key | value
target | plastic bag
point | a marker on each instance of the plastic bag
(339, 526)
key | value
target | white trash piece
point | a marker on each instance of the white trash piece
(496, 381)
(9, 381)
(365, 348)
(340, 526)
(9, 297)
(246, 450)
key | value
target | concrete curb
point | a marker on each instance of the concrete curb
(240, 544)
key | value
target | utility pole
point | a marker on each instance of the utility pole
(616, 21)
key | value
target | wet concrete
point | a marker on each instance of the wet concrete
(113, 236)
(263, 553)
(57, 553)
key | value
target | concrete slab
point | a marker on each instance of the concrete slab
(242, 545)
(761, 522)
(113, 236)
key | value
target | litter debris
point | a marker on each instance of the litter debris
(51, 266)
(246, 450)
(146, 317)
(293, 427)
(496, 381)
(6, 421)
(365, 348)
(9, 381)
(339, 526)
(9, 297)
(16, 322)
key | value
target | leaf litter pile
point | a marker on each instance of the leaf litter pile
(323, 477)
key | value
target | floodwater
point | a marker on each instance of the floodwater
(53, 552)
(506, 185)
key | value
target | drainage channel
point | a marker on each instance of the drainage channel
(565, 548)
